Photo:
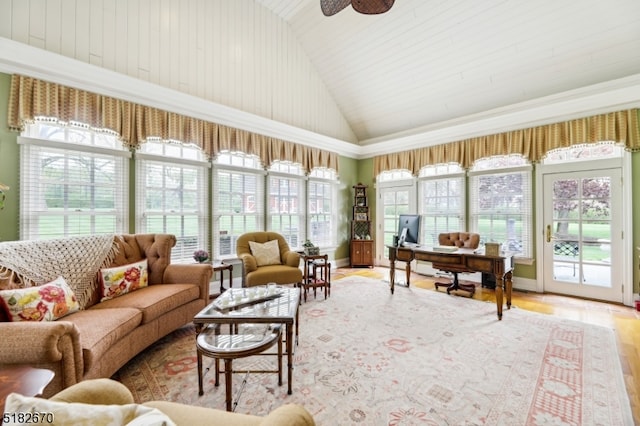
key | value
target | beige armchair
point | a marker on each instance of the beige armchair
(264, 264)
(98, 401)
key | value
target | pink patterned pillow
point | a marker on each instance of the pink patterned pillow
(46, 302)
(124, 279)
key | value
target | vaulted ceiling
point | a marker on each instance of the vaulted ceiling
(426, 63)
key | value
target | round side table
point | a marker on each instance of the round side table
(250, 339)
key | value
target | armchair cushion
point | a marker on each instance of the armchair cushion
(267, 253)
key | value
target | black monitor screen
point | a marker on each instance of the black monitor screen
(408, 228)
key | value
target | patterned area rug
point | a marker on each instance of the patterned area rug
(418, 357)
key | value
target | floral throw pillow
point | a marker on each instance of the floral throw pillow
(124, 279)
(267, 253)
(46, 302)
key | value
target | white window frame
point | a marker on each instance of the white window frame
(285, 204)
(229, 224)
(322, 208)
(180, 202)
(521, 243)
(440, 210)
(73, 143)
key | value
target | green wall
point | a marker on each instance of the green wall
(351, 172)
(348, 171)
(635, 232)
(9, 167)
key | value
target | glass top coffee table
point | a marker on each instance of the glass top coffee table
(256, 305)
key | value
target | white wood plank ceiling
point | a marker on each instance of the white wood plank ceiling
(428, 62)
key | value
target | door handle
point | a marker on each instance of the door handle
(549, 238)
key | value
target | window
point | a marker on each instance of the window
(584, 152)
(238, 200)
(500, 202)
(394, 175)
(171, 194)
(441, 195)
(322, 214)
(286, 198)
(397, 191)
(73, 181)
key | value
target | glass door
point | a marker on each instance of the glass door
(394, 199)
(582, 234)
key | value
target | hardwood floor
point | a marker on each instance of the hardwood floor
(624, 320)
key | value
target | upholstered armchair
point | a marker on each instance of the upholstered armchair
(267, 258)
(467, 240)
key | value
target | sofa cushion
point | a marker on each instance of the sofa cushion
(267, 253)
(100, 329)
(124, 279)
(154, 300)
(46, 302)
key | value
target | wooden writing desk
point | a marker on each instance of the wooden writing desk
(500, 266)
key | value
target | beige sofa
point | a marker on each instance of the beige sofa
(100, 338)
(101, 397)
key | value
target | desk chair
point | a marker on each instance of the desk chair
(461, 240)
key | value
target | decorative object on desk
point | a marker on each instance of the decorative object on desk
(3, 188)
(445, 249)
(310, 249)
(492, 249)
(201, 256)
(384, 369)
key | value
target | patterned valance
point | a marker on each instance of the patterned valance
(30, 98)
(533, 143)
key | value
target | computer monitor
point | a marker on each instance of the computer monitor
(408, 229)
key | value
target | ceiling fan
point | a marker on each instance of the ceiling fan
(368, 7)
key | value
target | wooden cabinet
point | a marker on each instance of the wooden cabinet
(362, 249)
(361, 253)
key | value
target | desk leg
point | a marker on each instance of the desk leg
(509, 287)
(289, 328)
(408, 272)
(499, 290)
(392, 274)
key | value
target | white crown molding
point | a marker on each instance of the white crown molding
(610, 96)
(614, 95)
(19, 58)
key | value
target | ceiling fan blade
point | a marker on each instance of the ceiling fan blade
(372, 7)
(331, 7)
